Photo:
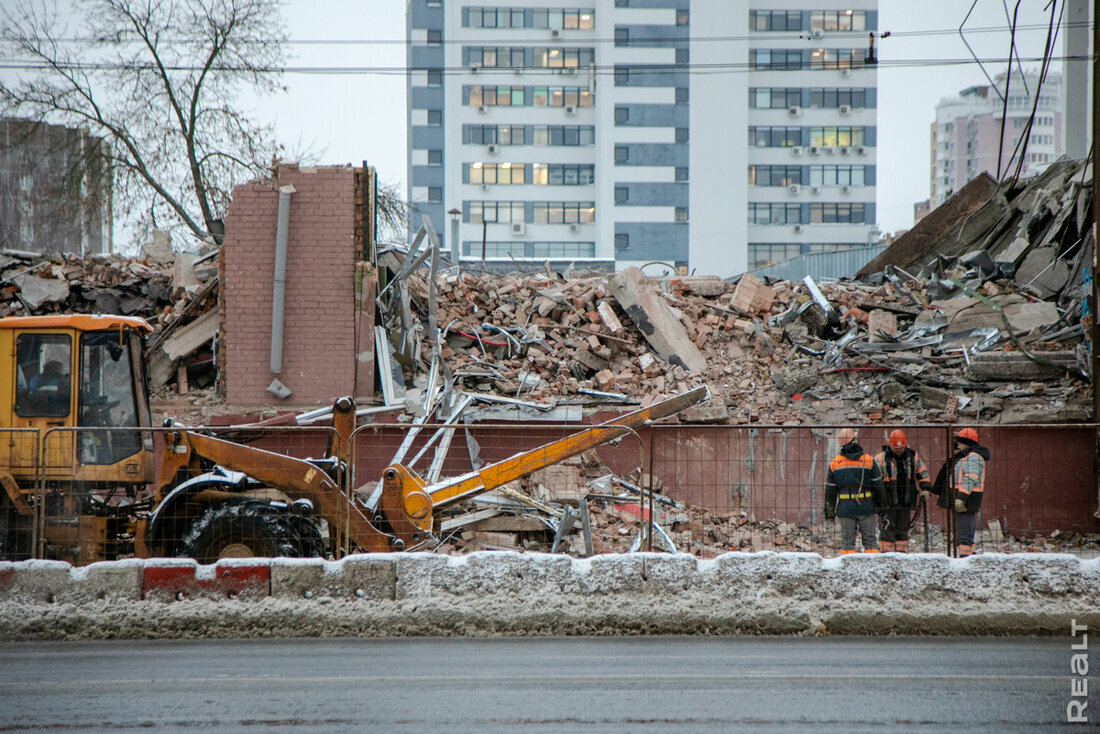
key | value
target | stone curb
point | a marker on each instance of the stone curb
(531, 593)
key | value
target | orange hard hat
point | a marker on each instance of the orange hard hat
(968, 434)
(846, 436)
(898, 439)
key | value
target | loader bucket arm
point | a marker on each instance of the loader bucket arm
(295, 477)
(407, 502)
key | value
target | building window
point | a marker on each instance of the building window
(836, 175)
(502, 96)
(435, 193)
(622, 75)
(681, 17)
(622, 154)
(563, 249)
(622, 37)
(683, 56)
(774, 137)
(776, 59)
(681, 95)
(562, 174)
(564, 212)
(775, 20)
(622, 194)
(435, 78)
(495, 57)
(492, 212)
(435, 157)
(561, 97)
(496, 173)
(681, 173)
(836, 136)
(764, 98)
(831, 98)
(838, 20)
(681, 135)
(435, 3)
(435, 117)
(837, 213)
(622, 3)
(562, 58)
(681, 214)
(775, 175)
(769, 254)
(435, 38)
(622, 242)
(622, 115)
(762, 213)
(836, 58)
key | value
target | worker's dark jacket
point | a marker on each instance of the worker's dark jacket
(854, 485)
(903, 476)
(968, 467)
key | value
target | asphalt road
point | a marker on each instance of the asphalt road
(561, 684)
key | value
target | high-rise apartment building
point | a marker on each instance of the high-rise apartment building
(710, 136)
(968, 137)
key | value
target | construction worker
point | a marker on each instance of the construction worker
(854, 494)
(904, 477)
(968, 467)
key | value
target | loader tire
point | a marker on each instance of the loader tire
(246, 530)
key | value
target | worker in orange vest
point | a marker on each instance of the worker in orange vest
(968, 467)
(904, 477)
(854, 494)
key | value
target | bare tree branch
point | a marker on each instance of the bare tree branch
(157, 85)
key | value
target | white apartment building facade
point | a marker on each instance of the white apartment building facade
(707, 136)
(967, 138)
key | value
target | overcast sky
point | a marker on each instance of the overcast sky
(349, 118)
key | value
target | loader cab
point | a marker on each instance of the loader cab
(75, 372)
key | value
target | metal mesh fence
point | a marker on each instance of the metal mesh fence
(708, 490)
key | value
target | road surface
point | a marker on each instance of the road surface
(691, 684)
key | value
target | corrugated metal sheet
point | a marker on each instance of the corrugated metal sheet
(842, 264)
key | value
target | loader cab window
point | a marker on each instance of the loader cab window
(106, 399)
(42, 379)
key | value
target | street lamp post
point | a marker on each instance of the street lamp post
(455, 248)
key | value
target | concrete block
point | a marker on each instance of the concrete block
(183, 579)
(366, 576)
(414, 574)
(489, 573)
(664, 573)
(106, 581)
(607, 574)
(34, 582)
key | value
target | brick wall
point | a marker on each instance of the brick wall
(319, 355)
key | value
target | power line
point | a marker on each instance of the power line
(632, 42)
(601, 70)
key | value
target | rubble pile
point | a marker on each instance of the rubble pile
(35, 284)
(976, 313)
(618, 523)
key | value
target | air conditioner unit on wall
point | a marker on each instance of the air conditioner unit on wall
(570, 110)
(556, 33)
(796, 150)
(844, 109)
(828, 149)
(814, 150)
(481, 108)
(845, 150)
(845, 72)
(797, 228)
(815, 189)
(794, 111)
(518, 228)
(845, 189)
(573, 227)
(817, 33)
(492, 149)
(861, 150)
(793, 189)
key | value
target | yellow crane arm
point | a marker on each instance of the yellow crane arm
(407, 502)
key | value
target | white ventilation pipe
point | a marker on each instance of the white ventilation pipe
(278, 289)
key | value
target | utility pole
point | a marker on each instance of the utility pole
(1095, 330)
